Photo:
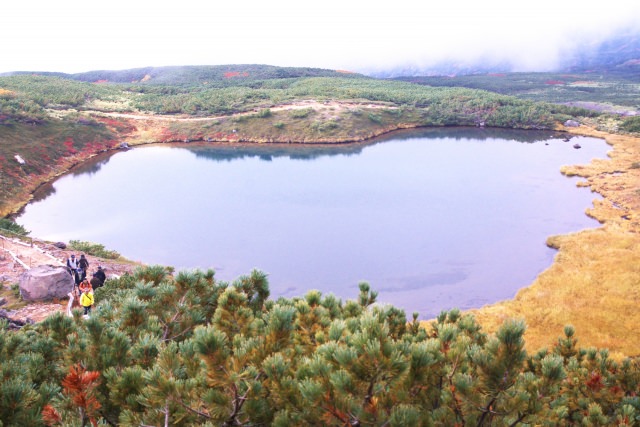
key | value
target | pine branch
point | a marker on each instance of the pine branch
(520, 418)
(485, 411)
(166, 415)
(190, 409)
(173, 319)
(181, 333)
(456, 402)
(333, 411)
(238, 402)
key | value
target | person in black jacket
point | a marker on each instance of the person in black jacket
(83, 263)
(98, 278)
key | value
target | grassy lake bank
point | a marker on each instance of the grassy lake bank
(593, 282)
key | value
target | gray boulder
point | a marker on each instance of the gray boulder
(571, 124)
(45, 282)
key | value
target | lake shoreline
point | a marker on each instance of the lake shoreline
(617, 212)
(593, 281)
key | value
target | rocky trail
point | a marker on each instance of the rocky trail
(18, 256)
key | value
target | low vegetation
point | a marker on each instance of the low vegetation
(189, 350)
(94, 249)
(185, 349)
(612, 86)
(10, 227)
(49, 121)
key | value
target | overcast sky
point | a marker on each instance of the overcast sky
(74, 36)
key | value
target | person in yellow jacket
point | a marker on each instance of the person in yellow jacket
(86, 300)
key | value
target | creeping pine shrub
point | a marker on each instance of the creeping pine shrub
(375, 118)
(94, 249)
(11, 226)
(631, 124)
(301, 114)
(324, 126)
(15, 288)
(264, 113)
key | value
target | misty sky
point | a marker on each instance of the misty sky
(74, 36)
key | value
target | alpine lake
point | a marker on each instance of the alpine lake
(431, 219)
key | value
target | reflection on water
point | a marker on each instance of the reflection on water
(268, 152)
(432, 219)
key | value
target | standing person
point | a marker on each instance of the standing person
(86, 300)
(83, 264)
(72, 264)
(85, 286)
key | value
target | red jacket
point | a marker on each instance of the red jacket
(85, 286)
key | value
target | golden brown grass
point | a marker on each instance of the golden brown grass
(594, 282)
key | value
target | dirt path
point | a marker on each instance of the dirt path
(315, 105)
(18, 256)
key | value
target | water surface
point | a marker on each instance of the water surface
(432, 219)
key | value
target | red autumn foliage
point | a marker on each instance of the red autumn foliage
(80, 385)
(69, 144)
(595, 381)
(230, 74)
(122, 126)
(50, 416)
(554, 82)
(101, 81)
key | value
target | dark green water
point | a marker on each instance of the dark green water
(432, 220)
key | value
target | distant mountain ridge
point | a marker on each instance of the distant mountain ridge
(195, 74)
(619, 52)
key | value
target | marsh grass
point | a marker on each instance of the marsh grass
(594, 281)
(592, 285)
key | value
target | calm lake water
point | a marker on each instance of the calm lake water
(431, 219)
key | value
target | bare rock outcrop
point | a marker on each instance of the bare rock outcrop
(45, 282)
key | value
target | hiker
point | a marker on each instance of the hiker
(98, 278)
(85, 286)
(76, 276)
(83, 263)
(86, 300)
(72, 264)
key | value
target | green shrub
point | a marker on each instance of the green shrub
(15, 288)
(94, 249)
(302, 113)
(631, 124)
(324, 126)
(264, 113)
(12, 227)
(375, 118)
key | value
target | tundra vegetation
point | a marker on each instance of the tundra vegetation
(53, 121)
(185, 349)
